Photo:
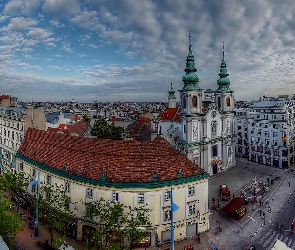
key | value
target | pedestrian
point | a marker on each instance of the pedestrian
(292, 227)
(233, 196)
(260, 212)
(281, 227)
(184, 248)
(289, 183)
(158, 243)
(261, 203)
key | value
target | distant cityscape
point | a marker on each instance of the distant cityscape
(167, 151)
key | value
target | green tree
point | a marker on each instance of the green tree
(101, 129)
(16, 185)
(10, 223)
(117, 224)
(86, 118)
(56, 210)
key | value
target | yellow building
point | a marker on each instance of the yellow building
(131, 172)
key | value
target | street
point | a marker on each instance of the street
(285, 219)
(256, 227)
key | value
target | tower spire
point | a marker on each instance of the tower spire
(223, 82)
(223, 51)
(190, 79)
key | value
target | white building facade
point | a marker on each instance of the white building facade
(265, 132)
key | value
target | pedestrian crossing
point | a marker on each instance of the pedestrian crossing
(268, 239)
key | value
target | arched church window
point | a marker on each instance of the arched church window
(195, 101)
(219, 101)
(214, 128)
(228, 101)
(183, 102)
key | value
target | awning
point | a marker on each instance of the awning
(231, 207)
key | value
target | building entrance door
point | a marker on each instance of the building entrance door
(214, 169)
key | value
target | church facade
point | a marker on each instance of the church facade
(206, 134)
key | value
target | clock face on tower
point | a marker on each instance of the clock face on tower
(213, 114)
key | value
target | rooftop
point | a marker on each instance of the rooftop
(170, 114)
(119, 160)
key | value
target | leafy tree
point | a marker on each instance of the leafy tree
(55, 207)
(55, 211)
(102, 129)
(86, 118)
(16, 184)
(10, 223)
(116, 224)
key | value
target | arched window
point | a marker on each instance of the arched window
(219, 101)
(184, 102)
(195, 101)
(228, 101)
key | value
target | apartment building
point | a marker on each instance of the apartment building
(265, 132)
(14, 122)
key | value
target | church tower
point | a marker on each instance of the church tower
(224, 99)
(190, 102)
(171, 98)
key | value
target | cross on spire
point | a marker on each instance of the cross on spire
(223, 50)
(171, 85)
(189, 37)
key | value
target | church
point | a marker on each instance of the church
(202, 127)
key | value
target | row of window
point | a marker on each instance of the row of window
(195, 101)
(190, 191)
(13, 135)
(191, 211)
(9, 124)
(9, 144)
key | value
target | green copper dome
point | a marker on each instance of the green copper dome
(223, 82)
(190, 79)
(171, 93)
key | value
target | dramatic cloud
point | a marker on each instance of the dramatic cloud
(39, 33)
(132, 50)
(21, 23)
(64, 8)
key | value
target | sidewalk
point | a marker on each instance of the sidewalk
(205, 243)
(26, 240)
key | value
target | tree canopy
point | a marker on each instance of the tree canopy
(56, 210)
(101, 129)
(116, 223)
(10, 223)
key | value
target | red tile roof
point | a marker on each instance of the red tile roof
(2, 97)
(78, 128)
(123, 161)
(170, 114)
(139, 128)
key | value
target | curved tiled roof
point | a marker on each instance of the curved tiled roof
(122, 161)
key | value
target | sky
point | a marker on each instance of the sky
(130, 50)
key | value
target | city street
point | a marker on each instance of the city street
(285, 219)
(255, 224)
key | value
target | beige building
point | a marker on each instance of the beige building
(14, 122)
(131, 172)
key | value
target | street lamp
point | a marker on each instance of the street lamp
(173, 208)
(36, 183)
